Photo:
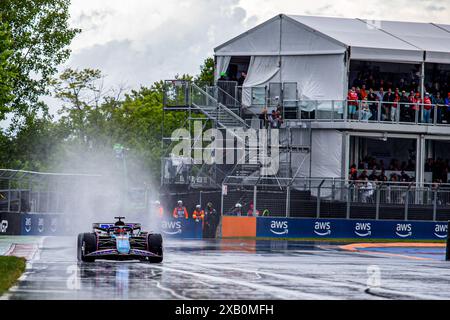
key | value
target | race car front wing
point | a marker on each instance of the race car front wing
(114, 252)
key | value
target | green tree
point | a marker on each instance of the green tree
(80, 91)
(41, 35)
(6, 71)
(206, 76)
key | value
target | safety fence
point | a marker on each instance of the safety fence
(335, 198)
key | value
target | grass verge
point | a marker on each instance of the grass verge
(11, 269)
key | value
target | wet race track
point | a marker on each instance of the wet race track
(236, 269)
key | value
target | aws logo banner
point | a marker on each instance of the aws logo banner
(41, 224)
(279, 228)
(440, 230)
(363, 229)
(181, 228)
(349, 229)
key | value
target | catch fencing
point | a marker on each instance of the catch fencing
(335, 198)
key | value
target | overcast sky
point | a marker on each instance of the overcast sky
(137, 42)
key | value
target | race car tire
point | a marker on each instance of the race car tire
(154, 244)
(89, 241)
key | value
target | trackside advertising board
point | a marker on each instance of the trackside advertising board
(9, 224)
(349, 229)
(181, 228)
(41, 224)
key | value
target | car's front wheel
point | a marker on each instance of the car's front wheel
(154, 243)
(87, 243)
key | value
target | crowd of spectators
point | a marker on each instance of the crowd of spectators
(399, 100)
(375, 170)
(272, 119)
(439, 169)
(399, 171)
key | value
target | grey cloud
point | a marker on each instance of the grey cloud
(177, 46)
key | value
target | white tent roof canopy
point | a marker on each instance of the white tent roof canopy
(389, 41)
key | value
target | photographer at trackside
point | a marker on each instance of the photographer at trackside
(211, 221)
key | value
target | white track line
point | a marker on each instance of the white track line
(331, 283)
(281, 292)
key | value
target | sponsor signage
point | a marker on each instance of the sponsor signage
(181, 228)
(41, 224)
(9, 224)
(349, 229)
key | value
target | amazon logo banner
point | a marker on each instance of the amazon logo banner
(181, 228)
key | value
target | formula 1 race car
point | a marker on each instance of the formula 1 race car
(119, 241)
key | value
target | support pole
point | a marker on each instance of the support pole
(447, 249)
(288, 202)
(221, 201)
(377, 204)
(435, 204)
(255, 189)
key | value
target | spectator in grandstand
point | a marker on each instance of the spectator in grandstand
(417, 101)
(365, 113)
(363, 176)
(394, 177)
(237, 210)
(374, 175)
(367, 191)
(198, 214)
(402, 84)
(447, 110)
(394, 165)
(382, 177)
(405, 109)
(373, 106)
(273, 119)
(264, 117)
(352, 98)
(380, 94)
(404, 177)
(242, 79)
(388, 100)
(363, 92)
(251, 209)
(394, 107)
(223, 76)
(180, 211)
(212, 219)
(440, 107)
(353, 172)
(427, 107)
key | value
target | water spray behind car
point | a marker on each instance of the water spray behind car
(113, 184)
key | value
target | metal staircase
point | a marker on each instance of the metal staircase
(214, 110)
(189, 97)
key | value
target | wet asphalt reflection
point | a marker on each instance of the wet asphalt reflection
(233, 269)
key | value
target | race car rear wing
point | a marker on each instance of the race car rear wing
(106, 226)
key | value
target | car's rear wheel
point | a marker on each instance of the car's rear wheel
(87, 243)
(154, 244)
